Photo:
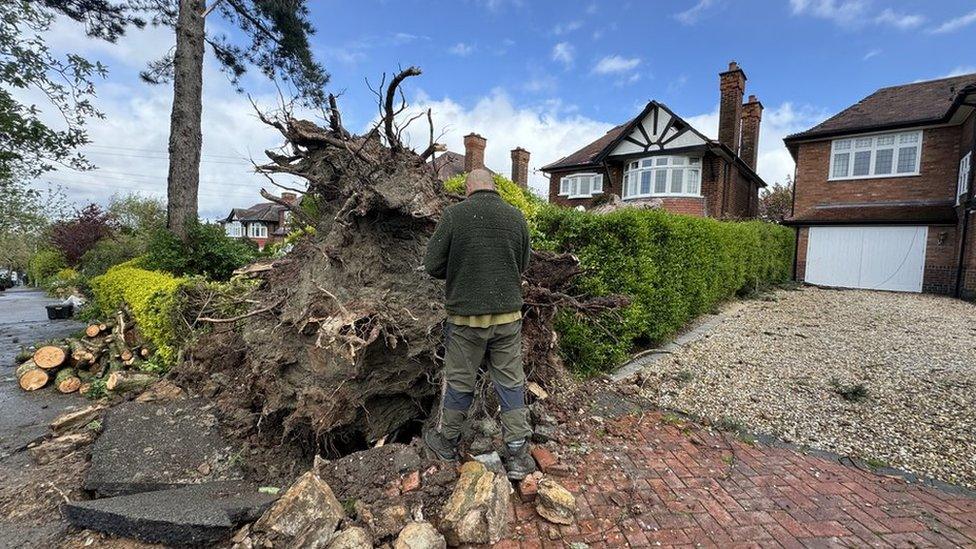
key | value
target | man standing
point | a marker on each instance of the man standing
(481, 248)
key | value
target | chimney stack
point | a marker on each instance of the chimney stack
(732, 85)
(751, 117)
(290, 198)
(474, 152)
(520, 167)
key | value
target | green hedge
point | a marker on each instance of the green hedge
(673, 267)
(151, 296)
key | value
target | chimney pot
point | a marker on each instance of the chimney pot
(474, 152)
(520, 167)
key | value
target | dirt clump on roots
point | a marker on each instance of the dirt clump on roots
(341, 348)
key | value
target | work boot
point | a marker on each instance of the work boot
(442, 447)
(517, 460)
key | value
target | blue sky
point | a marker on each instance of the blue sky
(549, 76)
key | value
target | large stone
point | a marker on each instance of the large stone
(479, 509)
(419, 535)
(308, 503)
(150, 446)
(192, 515)
(554, 503)
(353, 537)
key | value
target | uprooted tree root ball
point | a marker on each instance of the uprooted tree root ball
(341, 346)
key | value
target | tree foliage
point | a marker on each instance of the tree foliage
(207, 251)
(776, 202)
(25, 212)
(29, 145)
(74, 237)
(275, 41)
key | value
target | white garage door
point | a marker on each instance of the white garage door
(875, 258)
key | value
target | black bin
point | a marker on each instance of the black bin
(59, 312)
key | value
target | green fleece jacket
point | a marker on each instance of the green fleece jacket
(481, 248)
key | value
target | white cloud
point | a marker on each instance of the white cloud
(566, 28)
(956, 23)
(564, 53)
(899, 20)
(549, 131)
(775, 162)
(854, 13)
(691, 15)
(960, 70)
(838, 11)
(461, 49)
(873, 53)
(613, 64)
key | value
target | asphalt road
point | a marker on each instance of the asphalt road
(23, 321)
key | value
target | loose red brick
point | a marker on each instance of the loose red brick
(529, 487)
(544, 458)
(410, 482)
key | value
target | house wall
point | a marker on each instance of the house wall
(742, 199)
(936, 180)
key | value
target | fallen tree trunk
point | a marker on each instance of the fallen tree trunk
(343, 342)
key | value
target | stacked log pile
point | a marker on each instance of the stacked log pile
(112, 352)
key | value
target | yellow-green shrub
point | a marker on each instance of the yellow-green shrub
(152, 297)
(673, 267)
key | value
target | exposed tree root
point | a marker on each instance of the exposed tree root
(342, 347)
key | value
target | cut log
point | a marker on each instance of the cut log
(145, 352)
(50, 356)
(30, 377)
(93, 330)
(84, 388)
(125, 355)
(80, 355)
(67, 381)
(122, 381)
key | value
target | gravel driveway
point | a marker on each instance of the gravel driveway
(887, 377)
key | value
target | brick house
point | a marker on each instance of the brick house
(883, 191)
(657, 155)
(449, 163)
(265, 222)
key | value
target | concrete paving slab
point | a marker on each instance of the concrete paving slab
(147, 446)
(193, 515)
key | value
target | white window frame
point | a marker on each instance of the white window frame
(962, 185)
(849, 145)
(257, 230)
(234, 229)
(634, 169)
(570, 185)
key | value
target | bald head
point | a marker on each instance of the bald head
(479, 180)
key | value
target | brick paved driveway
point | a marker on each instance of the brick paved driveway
(651, 481)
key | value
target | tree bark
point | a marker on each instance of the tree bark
(185, 139)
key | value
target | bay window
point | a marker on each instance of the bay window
(883, 155)
(662, 176)
(257, 230)
(233, 229)
(581, 185)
